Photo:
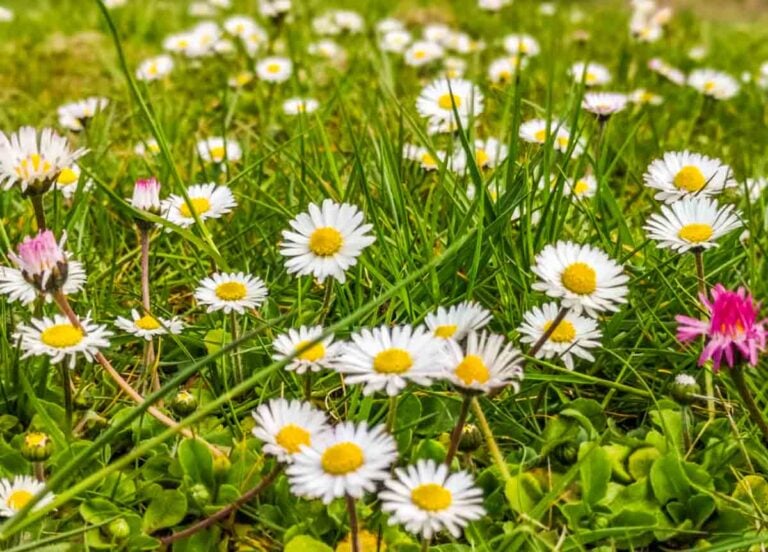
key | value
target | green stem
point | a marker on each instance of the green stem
(236, 354)
(709, 386)
(686, 428)
(490, 442)
(392, 414)
(66, 386)
(737, 373)
(456, 433)
(425, 545)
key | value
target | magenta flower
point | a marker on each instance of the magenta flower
(731, 331)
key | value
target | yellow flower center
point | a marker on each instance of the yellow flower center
(504, 75)
(243, 79)
(419, 54)
(61, 336)
(200, 205)
(690, 179)
(217, 153)
(36, 439)
(481, 157)
(325, 241)
(564, 333)
(273, 68)
(709, 86)
(291, 437)
(342, 458)
(154, 147)
(313, 354)
(445, 102)
(66, 177)
(581, 187)
(392, 361)
(562, 142)
(579, 278)
(33, 165)
(541, 135)
(590, 78)
(18, 499)
(147, 322)
(231, 291)
(695, 232)
(431, 497)
(152, 69)
(647, 97)
(428, 161)
(472, 369)
(446, 330)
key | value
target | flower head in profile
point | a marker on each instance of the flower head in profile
(231, 292)
(457, 321)
(680, 174)
(691, 223)
(207, 200)
(604, 104)
(715, 84)
(146, 195)
(148, 326)
(731, 329)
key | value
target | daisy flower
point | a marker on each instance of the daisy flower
(389, 24)
(388, 358)
(486, 362)
(274, 69)
(457, 321)
(667, 71)
(155, 68)
(208, 200)
(59, 339)
(583, 187)
(148, 326)
(436, 32)
(146, 195)
(427, 498)
(218, 149)
(17, 492)
(453, 67)
(149, 145)
(348, 459)
(592, 74)
(521, 45)
(422, 52)
(492, 5)
(501, 70)
(231, 292)
(715, 84)
(287, 426)
(325, 241)
(327, 49)
(682, 174)
(6, 15)
(489, 153)
(642, 96)
(583, 277)
(731, 330)
(604, 104)
(692, 222)
(423, 156)
(274, 8)
(74, 116)
(297, 106)
(573, 336)
(240, 26)
(43, 267)
(535, 132)
(68, 179)
(240, 80)
(320, 355)
(33, 161)
(396, 41)
(438, 100)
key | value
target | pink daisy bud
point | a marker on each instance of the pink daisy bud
(146, 195)
(42, 261)
(731, 330)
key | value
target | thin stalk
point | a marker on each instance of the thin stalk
(391, 414)
(236, 354)
(685, 412)
(737, 374)
(425, 545)
(456, 433)
(490, 441)
(39, 471)
(327, 299)
(548, 332)
(66, 309)
(226, 510)
(66, 385)
(149, 348)
(709, 386)
(354, 538)
(37, 204)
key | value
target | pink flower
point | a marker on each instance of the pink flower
(146, 195)
(732, 328)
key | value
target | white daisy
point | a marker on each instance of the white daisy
(74, 116)
(6, 15)
(240, 26)
(501, 70)
(274, 8)
(692, 222)
(438, 100)
(296, 106)
(34, 161)
(146, 195)
(535, 131)
(149, 145)
(274, 69)
(348, 459)
(667, 71)
(682, 174)
(461, 43)
(521, 45)
(68, 180)
(592, 74)
(389, 24)
(573, 336)
(325, 241)
(240, 80)
(17, 492)
(489, 153)
(231, 292)
(320, 355)
(755, 188)
(426, 498)
(57, 338)
(388, 358)
(436, 32)
(422, 52)
(202, 40)
(583, 187)
(155, 68)
(547, 9)
(604, 104)
(208, 200)
(453, 67)
(148, 326)
(492, 5)
(582, 276)
(218, 150)
(287, 426)
(422, 155)
(715, 84)
(457, 321)
(396, 41)
(327, 49)
(642, 96)
(486, 362)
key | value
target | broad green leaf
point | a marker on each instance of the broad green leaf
(196, 462)
(595, 472)
(166, 510)
(668, 479)
(305, 543)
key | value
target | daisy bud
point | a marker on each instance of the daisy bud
(42, 261)
(119, 528)
(37, 446)
(221, 466)
(200, 494)
(146, 195)
(184, 403)
(684, 389)
(470, 439)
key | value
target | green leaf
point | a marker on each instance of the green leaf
(196, 462)
(215, 339)
(305, 543)
(595, 472)
(165, 510)
(640, 461)
(668, 479)
(98, 510)
(671, 423)
(523, 492)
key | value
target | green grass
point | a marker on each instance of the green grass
(434, 246)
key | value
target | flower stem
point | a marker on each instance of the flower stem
(66, 387)
(354, 538)
(226, 510)
(425, 545)
(490, 442)
(149, 349)
(37, 204)
(39, 471)
(236, 354)
(548, 332)
(456, 433)
(709, 387)
(737, 373)
(391, 414)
